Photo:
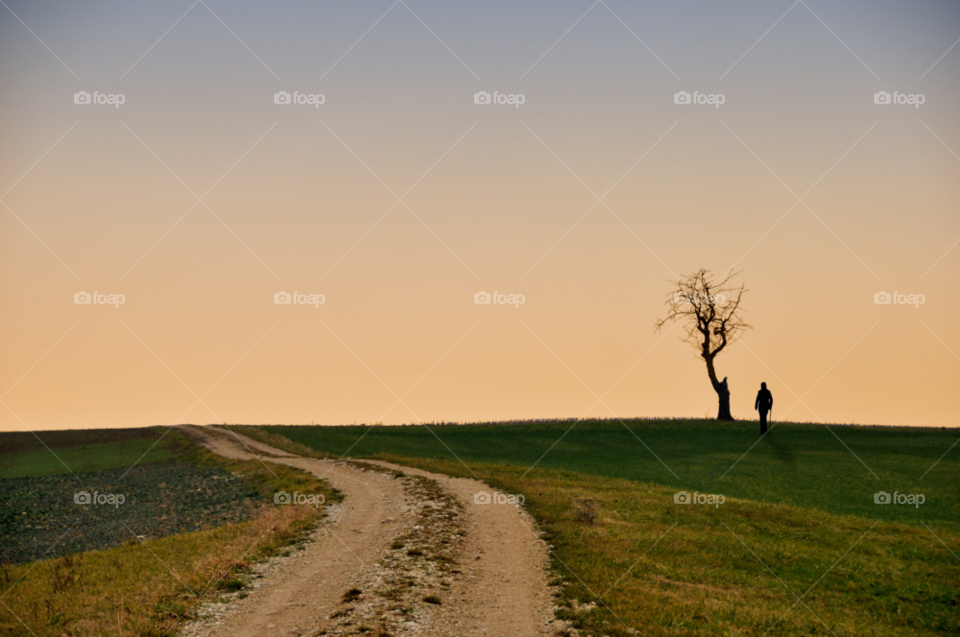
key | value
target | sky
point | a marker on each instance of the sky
(400, 189)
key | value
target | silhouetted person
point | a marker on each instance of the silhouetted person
(763, 404)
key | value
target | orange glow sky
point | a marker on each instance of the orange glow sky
(494, 198)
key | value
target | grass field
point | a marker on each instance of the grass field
(797, 464)
(797, 547)
(153, 574)
(799, 521)
(49, 453)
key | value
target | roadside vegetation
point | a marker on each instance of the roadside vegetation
(196, 524)
(630, 560)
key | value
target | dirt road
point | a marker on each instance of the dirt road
(489, 578)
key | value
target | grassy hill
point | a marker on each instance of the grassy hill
(797, 547)
(837, 470)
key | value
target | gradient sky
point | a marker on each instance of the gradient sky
(494, 198)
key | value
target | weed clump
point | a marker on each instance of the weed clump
(586, 511)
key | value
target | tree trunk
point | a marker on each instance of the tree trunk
(723, 392)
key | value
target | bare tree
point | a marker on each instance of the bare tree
(713, 317)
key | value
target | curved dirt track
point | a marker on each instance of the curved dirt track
(498, 586)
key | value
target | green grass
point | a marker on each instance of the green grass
(23, 455)
(799, 517)
(801, 465)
